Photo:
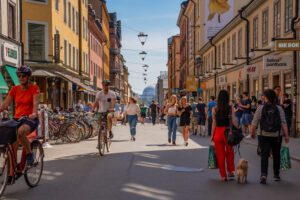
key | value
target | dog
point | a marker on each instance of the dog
(242, 171)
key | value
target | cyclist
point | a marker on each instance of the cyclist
(25, 97)
(105, 102)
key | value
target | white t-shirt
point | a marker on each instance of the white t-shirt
(105, 100)
(132, 109)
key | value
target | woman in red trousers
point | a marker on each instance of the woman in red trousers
(224, 152)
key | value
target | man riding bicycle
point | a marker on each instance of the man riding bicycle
(25, 97)
(105, 102)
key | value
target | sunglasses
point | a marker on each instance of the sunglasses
(22, 75)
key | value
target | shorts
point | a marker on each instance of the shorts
(194, 122)
(143, 115)
(32, 123)
(238, 120)
(246, 119)
(185, 121)
(201, 120)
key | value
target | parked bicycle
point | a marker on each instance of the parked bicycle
(9, 165)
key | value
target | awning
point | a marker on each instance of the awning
(42, 73)
(3, 85)
(77, 82)
(12, 73)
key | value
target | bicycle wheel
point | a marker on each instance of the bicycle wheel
(72, 133)
(101, 143)
(4, 169)
(34, 173)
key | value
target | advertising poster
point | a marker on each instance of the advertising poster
(217, 14)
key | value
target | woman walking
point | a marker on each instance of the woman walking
(224, 152)
(185, 113)
(171, 112)
(132, 111)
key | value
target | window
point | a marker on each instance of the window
(69, 14)
(74, 66)
(265, 25)
(77, 23)
(83, 61)
(66, 52)
(265, 83)
(70, 53)
(219, 64)
(77, 59)
(255, 32)
(240, 39)
(288, 83)
(288, 15)
(228, 50)
(233, 46)
(223, 52)
(42, 1)
(36, 42)
(65, 11)
(83, 27)
(57, 5)
(277, 17)
(11, 21)
(86, 30)
(73, 18)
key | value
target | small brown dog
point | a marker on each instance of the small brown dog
(242, 171)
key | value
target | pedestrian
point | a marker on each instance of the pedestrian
(287, 107)
(132, 111)
(211, 104)
(171, 112)
(194, 120)
(277, 90)
(153, 112)
(143, 113)
(238, 112)
(254, 104)
(87, 107)
(201, 109)
(224, 152)
(79, 106)
(185, 113)
(247, 115)
(270, 120)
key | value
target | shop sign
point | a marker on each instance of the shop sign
(287, 45)
(251, 70)
(191, 84)
(56, 48)
(277, 62)
(10, 53)
(222, 79)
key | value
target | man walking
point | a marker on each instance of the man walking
(212, 103)
(247, 115)
(194, 119)
(154, 111)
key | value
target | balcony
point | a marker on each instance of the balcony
(114, 51)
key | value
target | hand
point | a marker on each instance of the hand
(286, 139)
(32, 116)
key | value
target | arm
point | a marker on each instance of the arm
(284, 125)
(95, 105)
(35, 107)
(213, 124)
(7, 102)
(234, 123)
(245, 106)
(255, 121)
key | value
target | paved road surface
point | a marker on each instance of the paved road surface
(143, 170)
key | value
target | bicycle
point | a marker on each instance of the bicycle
(104, 142)
(9, 165)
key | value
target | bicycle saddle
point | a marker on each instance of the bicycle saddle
(9, 123)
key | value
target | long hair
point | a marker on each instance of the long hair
(223, 102)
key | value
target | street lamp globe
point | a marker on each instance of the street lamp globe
(251, 54)
(142, 37)
(272, 45)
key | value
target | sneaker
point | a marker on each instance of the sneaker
(10, 180)
(111, 135)
(46, 145)
(186, 144)
(169, 140)
(133, 139)
(277, 178)
(174, 143)
(30, 159)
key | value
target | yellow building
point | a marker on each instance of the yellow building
(173, 63)
(244, 55)
(105, 25)
(55, 40)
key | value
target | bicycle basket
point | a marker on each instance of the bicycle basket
(8, 135)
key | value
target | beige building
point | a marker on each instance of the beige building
(173, 63)
(225, 57)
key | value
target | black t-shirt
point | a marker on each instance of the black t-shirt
(201, 109)
(244, 103)
(238, 113)
(153, 109)
(187, 112)
(288, 110)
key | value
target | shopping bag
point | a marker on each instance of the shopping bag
(212, 158)
(285, 159)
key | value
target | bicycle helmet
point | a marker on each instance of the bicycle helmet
(106, 82)
(24, 69)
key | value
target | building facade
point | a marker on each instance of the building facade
(174, 64)
(10, 45)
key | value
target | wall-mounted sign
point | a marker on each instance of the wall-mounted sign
(251, 70)
(287, 45)
(277, 62)
(191, 85)
(10, 53)
(56, 48)
(222, 80)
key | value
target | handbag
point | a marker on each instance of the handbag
(233, 135)
(285, 158)
(212, 158)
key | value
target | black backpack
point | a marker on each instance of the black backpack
(270, 119)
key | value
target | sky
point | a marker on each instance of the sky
(158, 19)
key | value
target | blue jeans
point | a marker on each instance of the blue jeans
(132, 120)
(172, 126)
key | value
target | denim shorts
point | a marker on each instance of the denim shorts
(246, 119)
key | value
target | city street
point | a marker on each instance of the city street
(148, 169)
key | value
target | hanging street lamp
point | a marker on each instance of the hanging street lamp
(142, 37)
(143, 55)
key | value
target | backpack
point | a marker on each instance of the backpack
(270, 119)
